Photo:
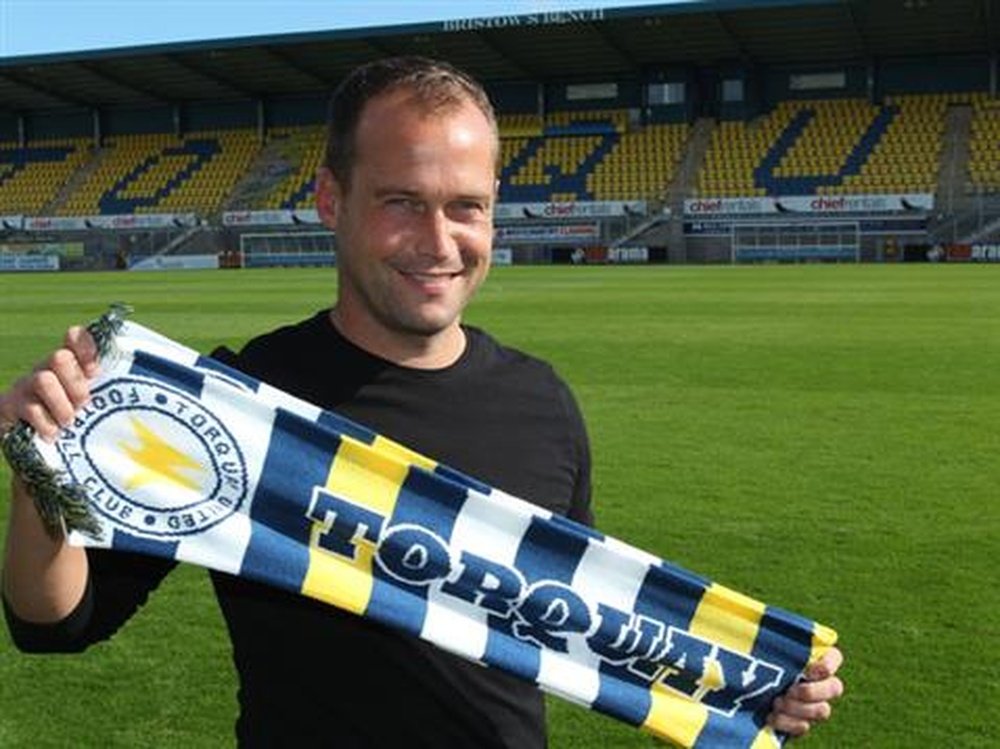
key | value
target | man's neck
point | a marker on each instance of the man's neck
(435, 351)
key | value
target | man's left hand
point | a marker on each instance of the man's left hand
(808, 702)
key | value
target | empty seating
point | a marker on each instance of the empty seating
(821, 146)
(831, 146)
(984, 145)
(31, 177)
(164, 174)
(642, 165)
(301, 149)
(588, 155)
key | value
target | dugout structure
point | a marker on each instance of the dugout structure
(288, 249)
(795, 242)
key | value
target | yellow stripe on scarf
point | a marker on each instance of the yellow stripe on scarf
(371, 476)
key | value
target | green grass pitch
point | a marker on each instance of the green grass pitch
(825, 438)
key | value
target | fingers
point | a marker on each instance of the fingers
(71, 379)
(797, 718)
(816, 691)
(826, 666)
(48, 397)
(808, 702)
(81, 343)
(40, 401)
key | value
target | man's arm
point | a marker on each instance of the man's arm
(44, 579)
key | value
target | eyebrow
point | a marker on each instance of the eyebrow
(383, 192)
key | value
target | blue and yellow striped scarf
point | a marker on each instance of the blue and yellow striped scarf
(182, 457)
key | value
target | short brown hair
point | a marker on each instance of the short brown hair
(434, 84)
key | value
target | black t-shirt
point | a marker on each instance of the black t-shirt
(312, 675)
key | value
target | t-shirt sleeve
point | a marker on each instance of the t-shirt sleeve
(118, 585)
(226, 356)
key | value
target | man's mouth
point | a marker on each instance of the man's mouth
(431, 281)
(430, 276)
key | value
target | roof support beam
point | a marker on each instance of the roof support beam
(518, 63)
(487, 40)
(285, 59)
(989, 24)
(379, 49)
(210, 75)
(859, 35)
(45, 89)
(622, 52)
(734, 40)
(115, 79)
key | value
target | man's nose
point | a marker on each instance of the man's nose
(439, 235)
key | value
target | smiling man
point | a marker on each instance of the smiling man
(409, 186)
(413, 216)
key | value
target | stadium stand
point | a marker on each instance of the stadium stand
(565, 156)
(836, 146)
(984, 145)
(642, 165)
(906, 158)
(832, 146)
(554, 164)
(586, 155)
(301, 150)
(32, 176)
(163, 173)
(824, 147)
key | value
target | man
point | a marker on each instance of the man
(409, 186)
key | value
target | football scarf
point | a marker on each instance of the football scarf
(179, 456)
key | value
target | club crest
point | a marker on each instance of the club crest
(155, 461)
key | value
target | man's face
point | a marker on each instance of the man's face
(414, 226)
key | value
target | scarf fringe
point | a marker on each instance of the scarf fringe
(61, 504)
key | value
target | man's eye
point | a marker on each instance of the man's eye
(408, 204)
(470, 209)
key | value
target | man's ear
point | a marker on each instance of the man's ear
(328, 196)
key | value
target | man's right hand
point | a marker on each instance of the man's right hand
(44, 578)
(48, 397)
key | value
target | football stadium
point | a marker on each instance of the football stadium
(759, 239)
